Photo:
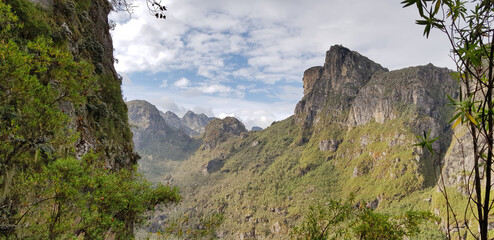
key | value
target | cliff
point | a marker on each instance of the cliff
(332, 88)
(82, 27)
(63, 124)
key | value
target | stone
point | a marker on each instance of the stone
(276, 228)
(343, 74)
(219, 130)
(329, 145)
(214, 166)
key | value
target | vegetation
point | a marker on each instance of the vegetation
(468, 26)
(45, 191)
(344, 220)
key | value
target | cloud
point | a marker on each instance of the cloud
(164, 84)
(201, 109)
(182, 83)
(234, 49)
(215, 88)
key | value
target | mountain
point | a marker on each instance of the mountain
(155, 140)
(191, 123)
(196, 122)
(256, 128)
(352, 134)
(219, 130)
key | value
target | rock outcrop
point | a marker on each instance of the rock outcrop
(334, 86)
(418, 94)
(196, 122)
(219, 130)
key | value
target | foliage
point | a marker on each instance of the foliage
(468, 26)
(34, 20)
(70, 196)
(156, 8)
(325, 222)
(183, 229)
(344, 220)
(426, 141)
(45, 193)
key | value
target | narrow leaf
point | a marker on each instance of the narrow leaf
(458, 120)
(471, 118)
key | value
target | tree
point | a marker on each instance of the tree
(345, 220)
(45, 192)
(468, 26)
(156, 8)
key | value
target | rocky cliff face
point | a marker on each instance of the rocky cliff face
(153, 135)
(191, 123)
(333, 87)
(418, 94)
(102, 123)
(218, 130)
(196, 122)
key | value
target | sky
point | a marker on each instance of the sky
(246, 58)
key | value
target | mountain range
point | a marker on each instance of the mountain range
(352, 134)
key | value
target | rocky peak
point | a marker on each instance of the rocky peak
(171, 119)
(149, 124)
(334, 85)
(218, 130)
(196, 122)
(175, 122)
(144, 115)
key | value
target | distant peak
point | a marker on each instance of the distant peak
(189, 113)
(170, 113)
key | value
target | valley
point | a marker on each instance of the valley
(351, 135)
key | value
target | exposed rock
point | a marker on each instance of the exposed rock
(329, 145)
(172, 119)
(337, 83)
(175, 122)
(152, 135)
(218, 130)
(276, 228)
(356, 172)
(372, 204)
(87, 36)
(213, 166)
(196, 122)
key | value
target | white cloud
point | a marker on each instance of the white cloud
(182, 83)
(215, 88)
(277, 40)
(164, 84)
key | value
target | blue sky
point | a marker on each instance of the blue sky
(246, 58)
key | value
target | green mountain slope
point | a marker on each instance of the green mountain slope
(353, 133)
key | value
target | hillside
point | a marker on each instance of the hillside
(66, 152)
(353, 132)
(160, 145)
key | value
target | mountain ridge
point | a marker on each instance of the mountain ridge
(352, 133)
